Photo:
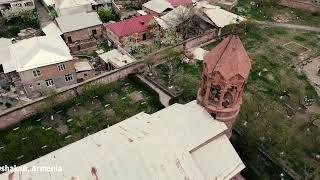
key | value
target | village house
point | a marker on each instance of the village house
(69, 7)
(157, 7)
(84, 71)
(80, 31)
(42, 63)
(226, 4)
(114, 59)
(6, 5)
(135, 29)
(176, 3)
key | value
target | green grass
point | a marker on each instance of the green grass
(264, 10)
(90, 116)
(271, 76)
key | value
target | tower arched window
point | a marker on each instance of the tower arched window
(215, 94)
(229, 97)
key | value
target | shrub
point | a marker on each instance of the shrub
(106, 14)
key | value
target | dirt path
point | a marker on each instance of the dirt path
(44, 17)
(289, 26)
(311, 69)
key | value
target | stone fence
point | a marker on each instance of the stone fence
(15, 115)
(301, 4)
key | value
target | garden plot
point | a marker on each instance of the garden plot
(295, 47)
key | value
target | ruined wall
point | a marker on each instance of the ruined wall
(312, 5)
(17, 114)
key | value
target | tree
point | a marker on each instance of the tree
(106, 14)
(173, 58)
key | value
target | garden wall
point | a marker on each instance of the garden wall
(15, 115)
(301, 4)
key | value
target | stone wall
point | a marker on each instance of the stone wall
(312, 5)
(15, 115)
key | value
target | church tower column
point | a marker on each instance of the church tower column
(226, 68)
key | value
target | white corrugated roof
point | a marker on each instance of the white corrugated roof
(39, 51)
(174, 17)
(4, 42)
(49, 2)
(217, 15)
(75, 22)
(52, 30)
(62, 4)
(158, 5)
(177, 143)
(116, 58)
(82, 66)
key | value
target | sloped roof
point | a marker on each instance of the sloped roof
(116, 58)
(76, 22)
(217, 15)
(130, 26)
(174, 18)
(39, 51)
(229, 58)
(176, 3)
(52, 30)
(176, 143)
(62, 4)
(83, 66)
(158, 6)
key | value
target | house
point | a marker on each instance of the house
(157, 7)
(80, 31)
(217, 16)
(42, 63)
(114, 59)
(226, 4)
(84, 71)
(6, 5)
(176, 3)
(307, 5)
(69, 7)
(134, 29)
(178, 142)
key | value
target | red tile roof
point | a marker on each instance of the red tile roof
(176, 3)
(130, 26)
(229, 58)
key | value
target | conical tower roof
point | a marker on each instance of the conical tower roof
(229, 58)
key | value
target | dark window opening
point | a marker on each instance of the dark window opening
(94, 32)
(69, 39)
(1, 69)
(144, 36)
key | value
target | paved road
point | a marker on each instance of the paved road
(289, 26)
(44, 17)
(164, 98)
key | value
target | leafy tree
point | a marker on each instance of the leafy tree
(106, 14)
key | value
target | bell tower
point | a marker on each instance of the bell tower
(226, 68)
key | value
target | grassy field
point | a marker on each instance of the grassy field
(265, 10)
(275, 115)
(97, 108)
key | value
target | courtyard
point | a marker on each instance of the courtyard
(98, 107)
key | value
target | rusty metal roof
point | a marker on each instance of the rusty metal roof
(177, 143)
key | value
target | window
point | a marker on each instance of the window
(144, 36)
(85, 74)
(36, 73)
(94, 32)
(69, 77)
(49, 82)
(61, 67)
(69, 39)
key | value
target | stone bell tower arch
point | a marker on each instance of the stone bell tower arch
(226, 68)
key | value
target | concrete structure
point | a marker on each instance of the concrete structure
(84, 71)
(178, 142)
(135, 29)
(6, 5)
(43, 63)
(307, 5)
(80, 31)
(69, 7)
(115, 59)
(157, 7)
(226, 68)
